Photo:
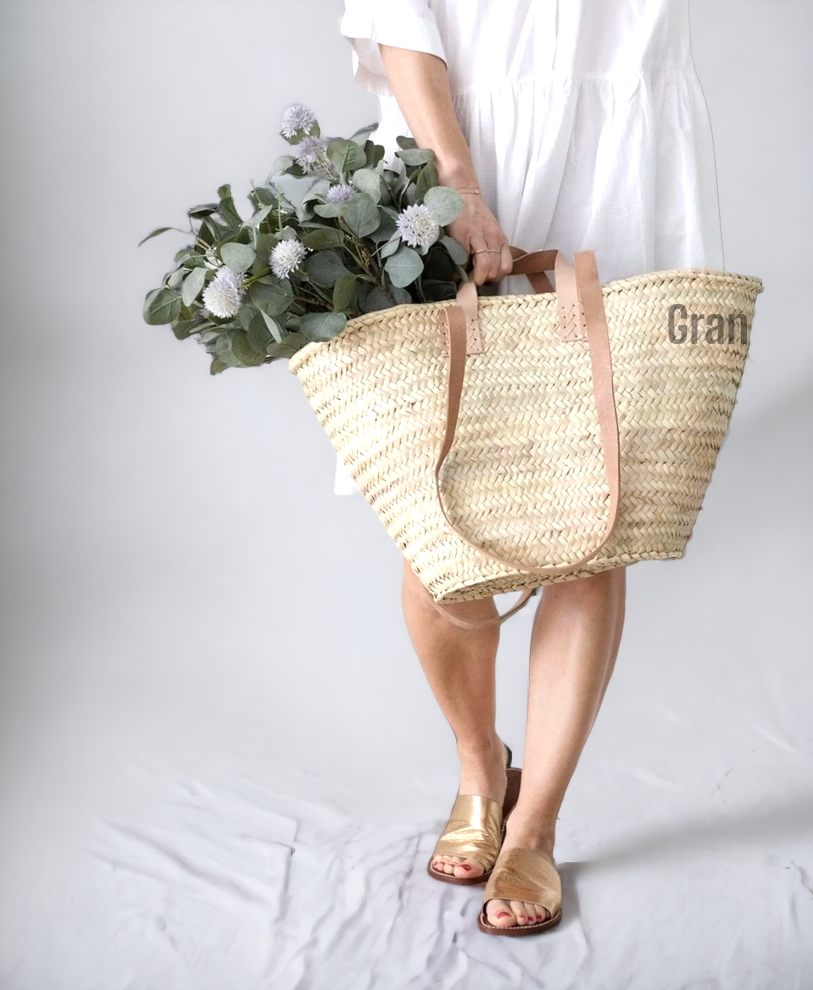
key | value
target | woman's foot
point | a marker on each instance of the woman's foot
(482, 771)
(504, 914)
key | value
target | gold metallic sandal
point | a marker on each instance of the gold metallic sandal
(476, 829)
(523, 875)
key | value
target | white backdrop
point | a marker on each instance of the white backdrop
(221, 764)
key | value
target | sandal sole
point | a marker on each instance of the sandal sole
(513, 930)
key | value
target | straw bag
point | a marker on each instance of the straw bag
(512, 441)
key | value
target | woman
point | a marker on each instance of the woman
(573, 125)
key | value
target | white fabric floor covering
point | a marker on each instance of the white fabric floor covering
(685, 841)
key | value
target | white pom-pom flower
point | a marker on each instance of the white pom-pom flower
(223, 295)
(417, 226)
(295, 118)
(340, 192)
(310, 154)
(286, 257)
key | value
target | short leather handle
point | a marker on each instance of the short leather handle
(582, 278)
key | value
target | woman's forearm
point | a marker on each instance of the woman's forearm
(420, 84)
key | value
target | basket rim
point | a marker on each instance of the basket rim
(608, 288)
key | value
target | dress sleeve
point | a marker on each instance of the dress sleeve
(401, 23)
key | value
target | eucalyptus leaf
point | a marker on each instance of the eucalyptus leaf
(329, 209)
(161, 306)
(264, 195)
(271, 295)
(456, 250)
(406, 142)
(241, 348)
(282, 164)
(390, 247)
(204, 210)
(247, 312)
(387, 226)
(217, 366)
(175, 278)
(261, 214)
(404, 266)
(362, 133)
(195, 261)
(285, 348)
(259, 336)
(360, 214)
(322, 326)
(185, 328)
(155, 233)
(192, 285)
(324, 267)
(368, 181)
(344, 292)
(226, 207)
(377, 299)
(323, 237)
(415, 156)
(273, 327)
(238, 257)
(263, 248)
(374, 153)
(346, 155)
(427, 178)
(445, 204)
(400, 295)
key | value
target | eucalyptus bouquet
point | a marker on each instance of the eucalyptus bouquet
(364, 235)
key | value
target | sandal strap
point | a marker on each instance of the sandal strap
(522, 874)
(474, 830)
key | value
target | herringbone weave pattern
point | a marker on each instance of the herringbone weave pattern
(525, 477)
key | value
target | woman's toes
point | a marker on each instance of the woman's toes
(468, 868)
(499, 913)
(520, 911)
(542, 913)
(450, 864)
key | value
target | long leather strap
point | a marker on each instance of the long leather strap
(582, 280)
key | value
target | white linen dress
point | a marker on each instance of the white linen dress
(586, 120)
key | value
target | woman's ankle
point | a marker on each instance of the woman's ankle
(530, 831)
(482, 750)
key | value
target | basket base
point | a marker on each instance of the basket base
(506, 583)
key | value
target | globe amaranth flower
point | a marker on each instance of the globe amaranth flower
(417, 226)
(286, 257)
(310, 154)
(340, 192)
(223, 295)
(296, 118)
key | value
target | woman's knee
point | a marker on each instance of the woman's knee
(599, 587)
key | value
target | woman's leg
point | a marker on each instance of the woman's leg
(459, 665)
(574, 643)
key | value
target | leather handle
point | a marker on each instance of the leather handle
(582, 280)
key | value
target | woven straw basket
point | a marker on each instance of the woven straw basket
(536, 484)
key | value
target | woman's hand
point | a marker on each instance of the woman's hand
(477, 229)
(420, 82)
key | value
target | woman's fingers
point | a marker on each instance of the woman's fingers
(483, 265)
(492, 263)
(506, 260)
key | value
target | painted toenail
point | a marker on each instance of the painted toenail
(503, 914)
(465, 866)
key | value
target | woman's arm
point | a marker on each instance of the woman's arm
(420, 83)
